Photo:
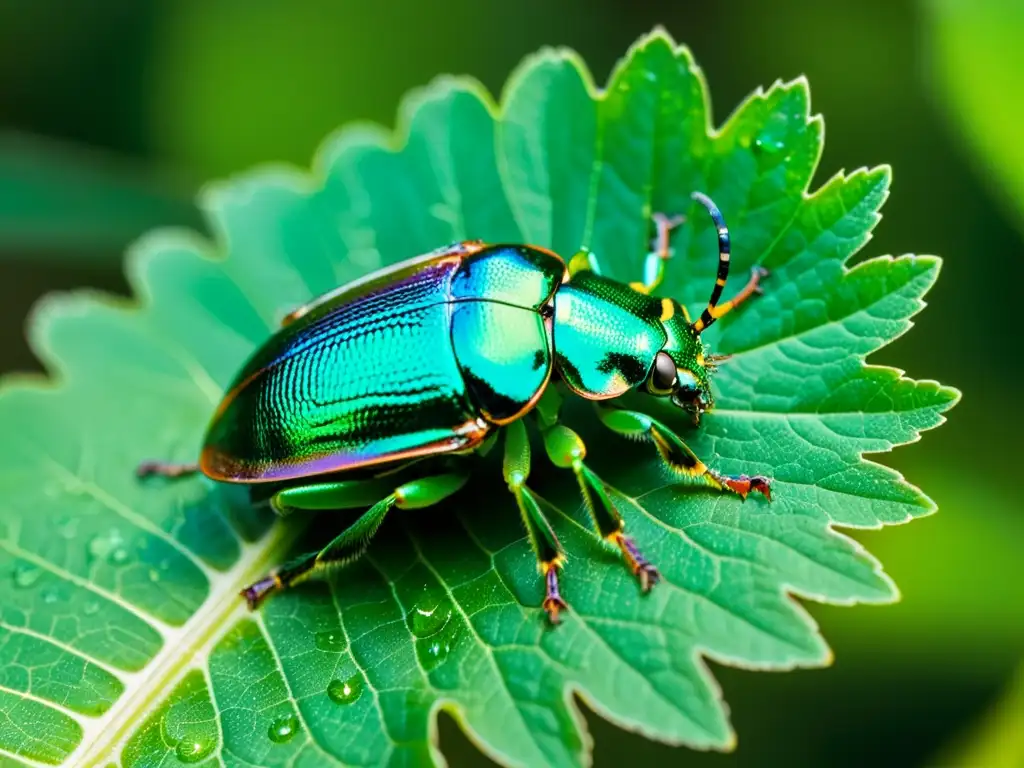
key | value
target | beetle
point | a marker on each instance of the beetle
(375, 395)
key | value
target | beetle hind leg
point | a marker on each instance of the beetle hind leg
(165, 469)
(351, 543)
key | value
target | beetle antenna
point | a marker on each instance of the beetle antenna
(709, 315)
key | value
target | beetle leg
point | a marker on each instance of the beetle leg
(654, 264)
(162, 469)
(546, 546)
(583, 261)
(354, 540)
(675, 453)
(566, 449)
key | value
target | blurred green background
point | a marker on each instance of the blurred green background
(112, 113)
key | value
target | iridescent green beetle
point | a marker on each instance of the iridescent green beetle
(376, 394)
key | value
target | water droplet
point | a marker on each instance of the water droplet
(768, 145)
(26, 575)
(190, 750)
(433, 651)
(154, 575)
(426, 619)
(91, 608)
(283, 729)
(118, 556)
(345, 691)
(50, 596)
(330, 640)
(106, 544)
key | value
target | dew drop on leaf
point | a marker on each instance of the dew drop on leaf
(118, 556)
(283, 729)
(190, 750)
(345, 691)
(768, 145)
(105, 544)
(90, 608)
(433, 651)
(428, 618)
(50, 596)
(770, 142)
(26, 575)
(330, 640)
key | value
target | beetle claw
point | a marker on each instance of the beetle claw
(744, 484)
(553, 603)
(553, 606)
(257, 592)
(646, 573)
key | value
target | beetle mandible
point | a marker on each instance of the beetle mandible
(375, 394)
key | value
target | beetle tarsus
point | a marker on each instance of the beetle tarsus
(553, 602)
(257, 592)
(744, 485)
(641, 567)
(164, 469)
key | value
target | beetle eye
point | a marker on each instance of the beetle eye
(663, 376)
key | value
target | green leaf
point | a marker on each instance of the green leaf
(975, 60)
(123, 630)
(62, 201)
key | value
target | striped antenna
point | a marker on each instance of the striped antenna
(709, 315)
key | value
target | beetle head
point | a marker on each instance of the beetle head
(682, 369)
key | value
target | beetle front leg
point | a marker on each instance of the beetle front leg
(354, 540)
(546, 547)
(675, 453)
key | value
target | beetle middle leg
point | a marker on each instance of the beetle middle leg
(351, 543)
(546, 546)
(566, 449)
(675, 453)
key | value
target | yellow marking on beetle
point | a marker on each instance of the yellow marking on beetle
(686, 314)
(720, 281)
(668, 309)
(556, 564)
(700, 358)
(639, 287)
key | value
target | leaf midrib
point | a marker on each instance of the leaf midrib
(108, 735)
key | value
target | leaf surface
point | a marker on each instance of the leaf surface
(122, 638)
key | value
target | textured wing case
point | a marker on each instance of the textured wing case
(373, 374)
